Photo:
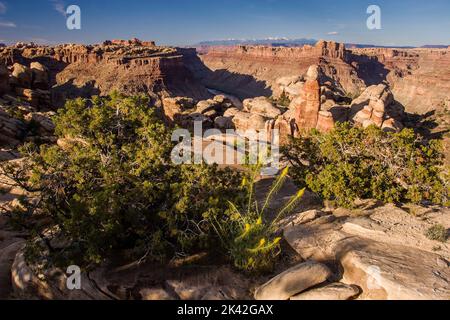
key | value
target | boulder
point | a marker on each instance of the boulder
(218, 283)
(22, 76)
(333, 291)
(206, 106)
(372, 105)
(41, 79)
(291, 85)
(293, 281)
(248, 121)
(262, 106)
(304, 217)
(378, 105)
(363, 115)
(231, 101)
(217, 294)
(221, 99)
(231, 112)
(189, 120)
(212, 114)
(174, 107)
(66, 143)
(327, 105)
(325, 121)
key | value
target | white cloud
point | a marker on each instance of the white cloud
(7, 24)
(333, 33)
(59, 6)
(2, 7)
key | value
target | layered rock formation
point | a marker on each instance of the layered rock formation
(315, 105)
(130, 66)
(31, 84)
(248, 71)
(419, 78)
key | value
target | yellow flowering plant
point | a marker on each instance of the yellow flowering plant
(250, 238)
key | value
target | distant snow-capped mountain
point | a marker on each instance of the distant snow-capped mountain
(286, 42)
(268, 41)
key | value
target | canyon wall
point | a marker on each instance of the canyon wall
(419, 78)
(128, 66)
(248, 71)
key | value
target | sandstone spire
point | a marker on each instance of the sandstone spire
(307, 111)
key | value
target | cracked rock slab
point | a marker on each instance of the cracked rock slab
(293, 281)
(333, 291)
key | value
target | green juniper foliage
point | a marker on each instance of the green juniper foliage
(110, 186)
(282, 101)
(352, 163)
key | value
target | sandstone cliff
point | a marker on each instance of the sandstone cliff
(128, 66)
(420, 78)
(248, 71)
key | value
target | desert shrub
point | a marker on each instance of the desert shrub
(437, 233)
(248, 236)
(350, 163)
(109, 185)
(283, 100)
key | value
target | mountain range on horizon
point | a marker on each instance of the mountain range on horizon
(286, 42)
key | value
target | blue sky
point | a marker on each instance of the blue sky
(184, 22)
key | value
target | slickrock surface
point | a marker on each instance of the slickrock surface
(382, 250)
